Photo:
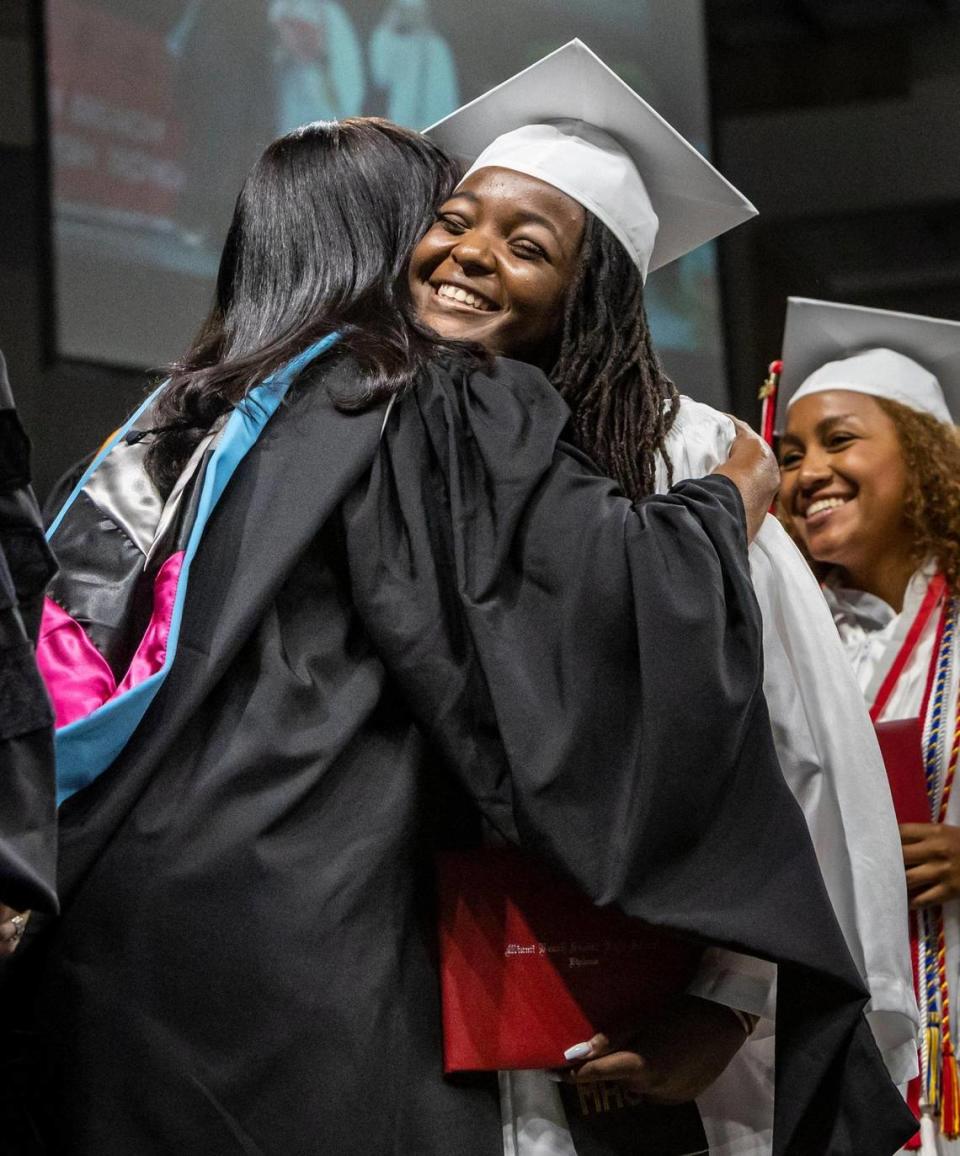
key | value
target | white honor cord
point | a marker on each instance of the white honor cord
(922, 1002)
(386, 414)
(944, 730)
(929, 1132)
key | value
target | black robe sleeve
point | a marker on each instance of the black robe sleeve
(27, 791)
(591, 670)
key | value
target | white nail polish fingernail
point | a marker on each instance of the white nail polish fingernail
(578, 1052)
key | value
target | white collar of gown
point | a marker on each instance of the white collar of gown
(872, 632)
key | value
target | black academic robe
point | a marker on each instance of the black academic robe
(385, 639)
(27, 800)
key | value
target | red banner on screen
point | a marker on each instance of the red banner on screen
(116, 141)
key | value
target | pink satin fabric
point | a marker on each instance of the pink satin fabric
(77, 675)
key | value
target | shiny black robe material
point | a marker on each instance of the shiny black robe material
(382, 641)
(28, 843)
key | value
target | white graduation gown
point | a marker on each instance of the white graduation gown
(872, 633)
(831, 760)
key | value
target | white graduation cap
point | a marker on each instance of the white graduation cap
(570, 121)
(907, 358)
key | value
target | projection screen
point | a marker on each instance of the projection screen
(157, 109)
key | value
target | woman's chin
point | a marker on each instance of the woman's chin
(831, 536)
(826, 550)
(457, 327)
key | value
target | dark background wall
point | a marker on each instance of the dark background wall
(839, 118)
(45, 389)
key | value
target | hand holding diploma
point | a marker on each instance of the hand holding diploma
(677, 1058)
(12, 925)
(931, 855)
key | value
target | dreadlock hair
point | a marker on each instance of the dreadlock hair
(322, 230)
(623, 404)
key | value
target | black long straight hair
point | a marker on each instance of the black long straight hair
(319, 242)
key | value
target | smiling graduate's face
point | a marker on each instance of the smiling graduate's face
(844, 479)
(496, 265)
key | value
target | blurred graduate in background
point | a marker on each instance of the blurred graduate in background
(414, 64)
(317, 62)
(870, 460)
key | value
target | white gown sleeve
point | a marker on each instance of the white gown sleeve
(828, 753)
(737, 981)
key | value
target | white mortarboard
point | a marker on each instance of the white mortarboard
(907, 358)
(570, 121)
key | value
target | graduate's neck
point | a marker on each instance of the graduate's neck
(886, 577)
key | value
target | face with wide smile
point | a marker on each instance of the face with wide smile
(844, 481)
(496, 265)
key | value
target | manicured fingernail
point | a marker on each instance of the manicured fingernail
(578, 1052)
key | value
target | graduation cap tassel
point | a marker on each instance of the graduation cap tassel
(950, 1111)
(931, 1048)
(768, 409)
(949, 1080)
(930, 999)
(768, 398)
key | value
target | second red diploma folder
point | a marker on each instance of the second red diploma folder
(530, 967)
(901, 744)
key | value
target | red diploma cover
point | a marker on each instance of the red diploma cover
(901, 741)
(529, 966)
(901, 744)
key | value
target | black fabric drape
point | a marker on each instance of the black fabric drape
(27, 803)
(383, 642)
(599, 665)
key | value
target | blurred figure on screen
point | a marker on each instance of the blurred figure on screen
(414, 63)
(318, 63)
(226, 111)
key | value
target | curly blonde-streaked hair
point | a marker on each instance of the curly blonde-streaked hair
(931, 450)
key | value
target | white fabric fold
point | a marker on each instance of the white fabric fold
(825, 742)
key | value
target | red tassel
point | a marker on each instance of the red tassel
(950, 1090)
(768, 396)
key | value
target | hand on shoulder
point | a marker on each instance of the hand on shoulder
(752, 467)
